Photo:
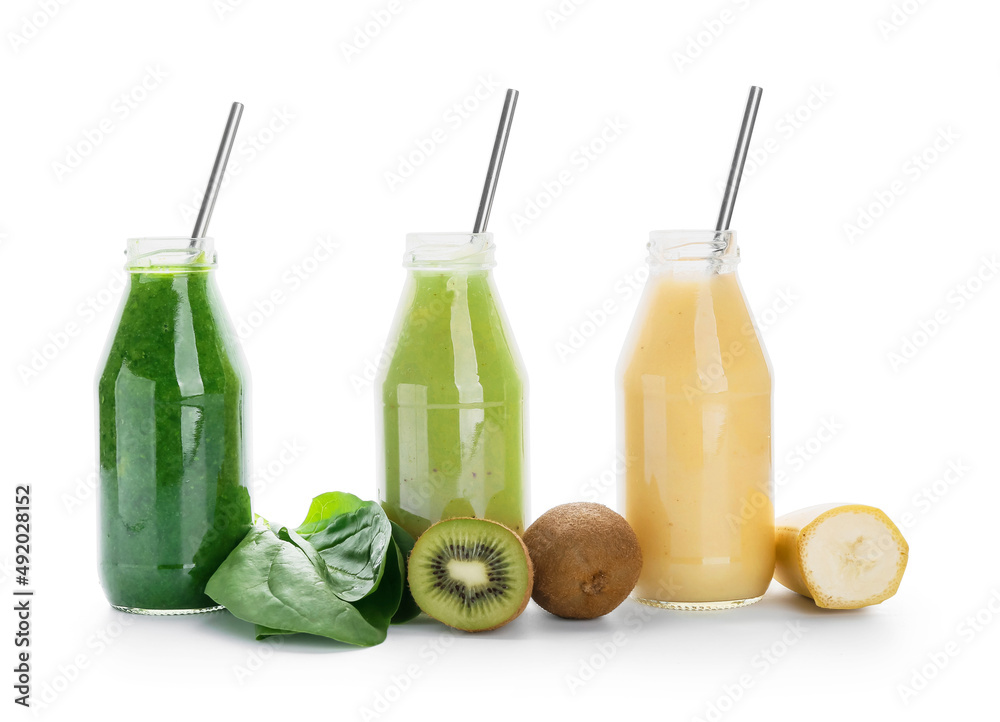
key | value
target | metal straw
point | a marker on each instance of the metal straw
(218, 171)
(739, 158)
(493, 172)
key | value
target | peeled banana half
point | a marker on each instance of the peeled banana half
(842, 556)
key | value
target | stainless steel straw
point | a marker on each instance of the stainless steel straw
(218, 171)
(496, 159)
(739, 158)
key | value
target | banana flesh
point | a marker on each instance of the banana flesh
(842, 556)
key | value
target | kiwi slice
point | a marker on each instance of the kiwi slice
(471, 574)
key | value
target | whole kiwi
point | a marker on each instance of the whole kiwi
(586, 559)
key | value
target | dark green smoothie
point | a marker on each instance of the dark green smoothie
(171, 399)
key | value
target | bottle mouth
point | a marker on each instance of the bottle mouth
(169, 254)
(693, 245)
(449, 250)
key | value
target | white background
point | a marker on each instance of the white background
(885, 79)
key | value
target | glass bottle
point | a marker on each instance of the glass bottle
(694, 428)
(450, 401)
(173, 447)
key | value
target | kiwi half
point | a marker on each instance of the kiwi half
(471, 574)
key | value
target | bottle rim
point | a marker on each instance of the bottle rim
(449, 250)
(169, 254)
(693, 245)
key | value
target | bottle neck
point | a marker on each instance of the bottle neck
(449, 253)
(419, 272)
(692, 253)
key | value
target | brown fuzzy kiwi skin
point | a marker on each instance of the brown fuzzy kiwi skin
(527, 558)
(587, 560)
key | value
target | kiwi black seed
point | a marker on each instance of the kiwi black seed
(586, 559)
(471, 574)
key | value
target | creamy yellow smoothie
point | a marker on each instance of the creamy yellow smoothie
(694, 394)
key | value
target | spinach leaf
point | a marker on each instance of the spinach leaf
(408, 608)
(279, 581)
(263, 632)
(326, 506)
(353, 538)
(383, 601)
(382, 605)
(341, 574)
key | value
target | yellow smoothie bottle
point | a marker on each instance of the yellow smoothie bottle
(694, 428)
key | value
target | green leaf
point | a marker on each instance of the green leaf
(383, 601)
(379, 607)
(353, 538)
(408, 608)
(326, 506)
(341, 574)
(280, 582)
(265, 632)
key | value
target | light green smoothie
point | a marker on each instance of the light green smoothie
(450, 403)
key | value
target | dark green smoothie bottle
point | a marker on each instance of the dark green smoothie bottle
(173, 446)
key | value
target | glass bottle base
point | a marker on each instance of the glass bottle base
(699, 606)
(167, 612)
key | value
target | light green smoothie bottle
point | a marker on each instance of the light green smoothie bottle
(450, 403)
